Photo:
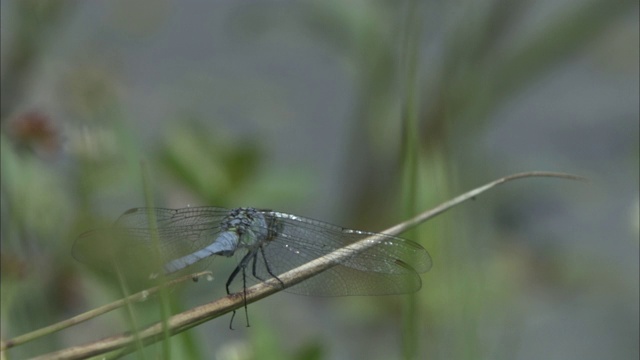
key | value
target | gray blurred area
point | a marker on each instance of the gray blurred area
(319, 108)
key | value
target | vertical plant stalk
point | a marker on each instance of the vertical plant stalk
(410, 154)
(130, 314)
(165, 312)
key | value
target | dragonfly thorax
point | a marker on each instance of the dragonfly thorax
(250, 225)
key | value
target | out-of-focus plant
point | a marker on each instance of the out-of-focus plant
(212, 166)
(428, 76)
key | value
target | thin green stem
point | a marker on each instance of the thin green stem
(165, 310)
(133, 323)
(411, 156)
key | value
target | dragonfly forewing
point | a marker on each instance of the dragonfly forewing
(129, 242)
(383, 264)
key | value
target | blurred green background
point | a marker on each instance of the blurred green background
(359, 113)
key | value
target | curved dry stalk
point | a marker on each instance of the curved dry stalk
(137, 297)
(200, 314)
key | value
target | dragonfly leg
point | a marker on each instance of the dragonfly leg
(229, 280)
(231, 277)
(244, 294)
(241, 266)
(253, 269)
(266, 264)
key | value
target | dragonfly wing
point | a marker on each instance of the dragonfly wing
(390, 265)
(130, 242)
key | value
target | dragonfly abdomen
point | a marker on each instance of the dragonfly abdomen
(225, 244)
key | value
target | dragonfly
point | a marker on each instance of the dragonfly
(269, 242)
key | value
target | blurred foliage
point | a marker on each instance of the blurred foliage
(215, 167)
(427, 76)
(33, 24)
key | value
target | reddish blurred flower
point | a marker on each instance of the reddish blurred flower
(34, 130)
